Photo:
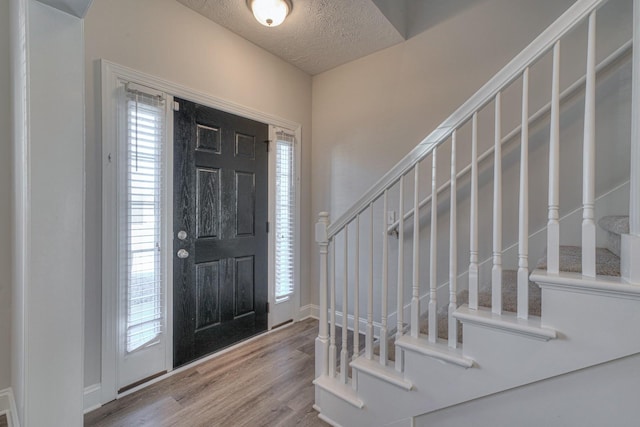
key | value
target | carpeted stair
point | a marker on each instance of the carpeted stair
(509, 303)
(614, 226)
(607, 264)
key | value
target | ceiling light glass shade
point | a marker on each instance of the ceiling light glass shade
(270, 13)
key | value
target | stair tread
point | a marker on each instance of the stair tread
(618, 224)
(509, 295)
(607, 263)
(385, 373)
(531, 327)
(603, 285)
(439, 350)
(337, 388)
(509, 303)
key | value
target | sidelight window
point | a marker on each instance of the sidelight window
(285, 215)
(141, 218)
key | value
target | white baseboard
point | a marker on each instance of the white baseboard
(309, 311)
(8, 407)
(362, 323)
(313, 311)
(92, 397)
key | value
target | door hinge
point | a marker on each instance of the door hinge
(267, 226)
(267, 307)
(176, 106)
(267, 143)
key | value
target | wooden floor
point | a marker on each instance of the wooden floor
(266, 382)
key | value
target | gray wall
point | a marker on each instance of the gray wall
(165, 39)
(5, 198)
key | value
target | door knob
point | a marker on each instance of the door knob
(183, 253)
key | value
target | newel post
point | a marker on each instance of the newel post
(322, 341)
(630, 251)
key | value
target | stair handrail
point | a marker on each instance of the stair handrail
(542, 44)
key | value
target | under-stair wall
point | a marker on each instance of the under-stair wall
(580, 398)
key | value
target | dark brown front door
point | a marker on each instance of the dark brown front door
(220, 230)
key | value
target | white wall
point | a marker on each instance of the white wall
(165, 39)
(19, 137)
(47, 317)
(5, 197)
(371, 112)
(601, 395)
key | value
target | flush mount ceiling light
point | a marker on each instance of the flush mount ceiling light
(270, 13)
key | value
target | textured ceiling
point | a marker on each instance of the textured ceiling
(318, 34)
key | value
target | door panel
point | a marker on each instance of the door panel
(245, 203)
(208, 203)
(244, 285)
(220, 201)
(208, 294)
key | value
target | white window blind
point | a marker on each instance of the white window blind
(285, 214)
(141, 218)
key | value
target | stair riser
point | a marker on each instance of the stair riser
(614, 226)
(613, 243)
(602, 326)
(337, 409)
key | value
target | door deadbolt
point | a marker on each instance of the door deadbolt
(182, 235)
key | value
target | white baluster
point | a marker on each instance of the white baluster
(369, 338)
(385, 283)
(433, 248)
(630, 244)
(588, 157)
(400, 287)
(356, 300)
(553, 226)
(332, 346)
(634, 201)
(523, 229)
(453, 250)
(496, 270)
(356, 292)
(473, 218)
(415, 299)
(344, 353)
(322, 342)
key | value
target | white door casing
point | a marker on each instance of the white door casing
(113, 75)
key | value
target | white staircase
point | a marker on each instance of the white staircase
(400, 359)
